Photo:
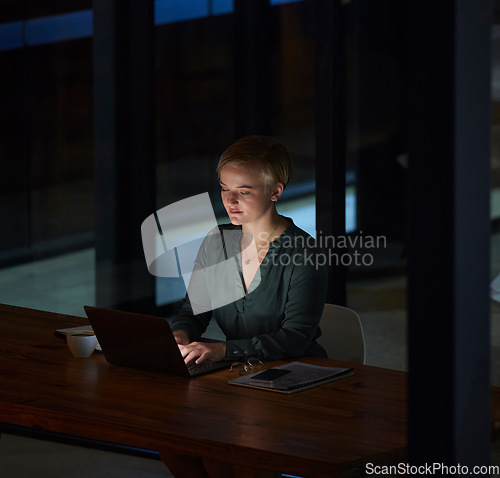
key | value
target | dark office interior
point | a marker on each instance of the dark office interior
(113, 109)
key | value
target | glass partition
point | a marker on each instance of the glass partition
(495, 197)
(378, 164)
(46, 167)
(202, 74)
(223, 69)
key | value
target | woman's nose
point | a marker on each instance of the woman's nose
(232, 198)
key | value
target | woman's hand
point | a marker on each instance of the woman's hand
(201, 351)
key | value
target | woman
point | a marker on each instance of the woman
(283, 290)
(278, 317)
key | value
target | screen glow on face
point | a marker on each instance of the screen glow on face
(244, 194)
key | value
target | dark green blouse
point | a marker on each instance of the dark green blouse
(277, 317)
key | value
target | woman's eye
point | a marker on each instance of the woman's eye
(223, 190)
(244, 194)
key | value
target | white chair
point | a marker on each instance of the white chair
(342, 334)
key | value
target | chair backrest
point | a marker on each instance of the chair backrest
(342, 334)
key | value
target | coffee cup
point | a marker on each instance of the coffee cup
(82, 344)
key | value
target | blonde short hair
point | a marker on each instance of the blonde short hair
(259, 151)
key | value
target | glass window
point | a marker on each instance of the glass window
(377, 175)
(46, 194)
(204, 98)
(495, 195)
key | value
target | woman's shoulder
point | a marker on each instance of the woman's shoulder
(294, 236)
(221, 238)
(294, 230)
(298, 251)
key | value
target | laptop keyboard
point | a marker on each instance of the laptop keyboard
(199, 367)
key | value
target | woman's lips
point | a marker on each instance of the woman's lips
(235, 211)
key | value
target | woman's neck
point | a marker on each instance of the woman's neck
(265, 229)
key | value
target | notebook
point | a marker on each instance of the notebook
(302, 376)
(143, 342)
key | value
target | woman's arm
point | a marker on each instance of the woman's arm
(192, 326)
(196, 311)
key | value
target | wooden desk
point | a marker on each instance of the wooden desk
(328, 431)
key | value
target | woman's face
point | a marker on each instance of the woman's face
(244, 194)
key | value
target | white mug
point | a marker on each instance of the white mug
(82, 344)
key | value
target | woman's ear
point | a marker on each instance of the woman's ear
(276, 191)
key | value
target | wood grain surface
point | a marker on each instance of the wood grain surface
(328, 431)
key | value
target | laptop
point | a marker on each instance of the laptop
(143, 342)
